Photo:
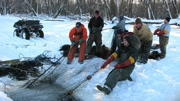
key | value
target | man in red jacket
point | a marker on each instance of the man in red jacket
(77, 36)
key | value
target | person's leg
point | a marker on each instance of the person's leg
(82, 52)
(163, 43)
(89, 43)
(98, 42)
(146, 51)
(71, 53)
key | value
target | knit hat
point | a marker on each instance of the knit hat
(96, 12)
(121, 17)
(168, 19)
(128, 38)
(78, 24)
(119, 31)
(138, 21)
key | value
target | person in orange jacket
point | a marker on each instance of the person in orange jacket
(77, 36)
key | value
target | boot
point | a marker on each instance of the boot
(104, 89)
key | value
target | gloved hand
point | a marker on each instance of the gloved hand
(160, 33)
(114, 27)
(109, 60)
(73, 43)
(100, 29)
(80, 41)
(126, 63)
(118, 66)
(156, 31)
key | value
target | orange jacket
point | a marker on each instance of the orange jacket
(76, 34)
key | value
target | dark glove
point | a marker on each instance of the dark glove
(73, 43)
(114, 27)
(80, 41)
(109, 60)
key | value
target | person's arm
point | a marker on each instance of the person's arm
(109, 60)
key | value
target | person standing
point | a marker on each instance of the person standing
(77, 36)
(163, 32)
(119, 26)
(95, 26)
(145, 36)
(126, 55)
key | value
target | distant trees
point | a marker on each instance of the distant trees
(150, 9)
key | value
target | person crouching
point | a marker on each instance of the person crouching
(77, 36)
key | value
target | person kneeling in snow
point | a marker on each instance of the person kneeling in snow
(127, 56)
(77, 36)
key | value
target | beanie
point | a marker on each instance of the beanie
(138, 21)
(128, 38)
(78, 24)
(168, 19)
(96, 12)
(119, 31)
(121, 17)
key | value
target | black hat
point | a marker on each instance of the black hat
(119, 31)
(168, 19)
(128, 38)
(138, 21)
(96, 12)
(78, 24)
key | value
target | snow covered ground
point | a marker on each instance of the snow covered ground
(154, 81)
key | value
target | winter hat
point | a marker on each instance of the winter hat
(96, 12)
(78, 24)
(138, 21)
(121, 17)
(128, 38)
(119, 31)
(168, 19)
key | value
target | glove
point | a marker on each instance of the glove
(118, 66)
(160, 33)
(114, 27)
(73, 43)
(156, 31)
(126, 63)
(109, 60)
(80, 41)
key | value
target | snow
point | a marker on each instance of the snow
(154, 81)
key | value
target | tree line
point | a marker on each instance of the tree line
(150, 9)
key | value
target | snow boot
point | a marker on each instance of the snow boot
(106, 90)
(68, 62)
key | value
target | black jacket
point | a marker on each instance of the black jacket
(96, 22)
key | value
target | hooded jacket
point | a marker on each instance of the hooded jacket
(75, 35)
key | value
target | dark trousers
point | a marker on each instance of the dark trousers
(163, 41)
(97, 38)
(144, 51)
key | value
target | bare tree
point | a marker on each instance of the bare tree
(175, 7)
(167, 8)
(62, 6)
(3, 7)
(30, 6)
